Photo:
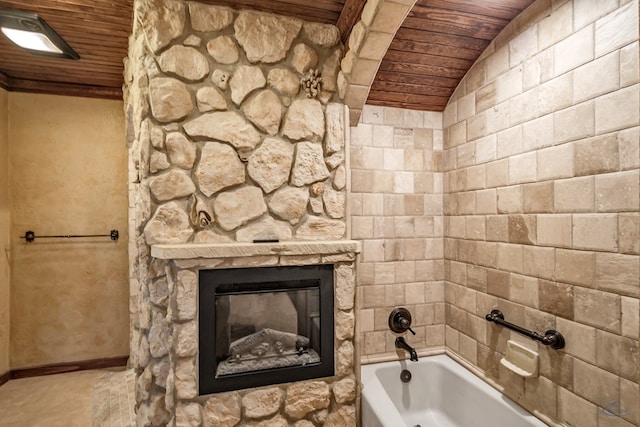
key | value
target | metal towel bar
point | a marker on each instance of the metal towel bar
(30, 236)
(551, 337)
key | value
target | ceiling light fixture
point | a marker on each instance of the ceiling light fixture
(31, 32)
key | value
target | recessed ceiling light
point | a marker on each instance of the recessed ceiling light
(32, 33)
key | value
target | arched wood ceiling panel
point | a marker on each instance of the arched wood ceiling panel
(432, 51)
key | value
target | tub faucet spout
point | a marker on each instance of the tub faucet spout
(401, 343)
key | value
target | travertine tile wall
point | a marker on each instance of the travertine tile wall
(541, 208)
(396, 211)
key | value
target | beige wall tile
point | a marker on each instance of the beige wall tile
(574, 123)
(575, 267)
(403, 137)
(486, 149)
(372, 204)
(468, 348)
(466, 106)
(465, 155)
(391, 158)
(538, 198)
(618, 192)
(618, 273)
(365, 319)
(523, 46)
(382, 136)
(372, 114)
(475, 227)
(522, 229)
(539, 262)
(509, 142)
(477, 126)
(587, 13)
(361, 227)
(497, 63)
(393, 116)
(475, 177)
(555, 27)
(630, 308)
(498, 118)
(466, 203)
(629, 148)
(597, 77)
(555, 230)
(576, 411)
(629, 233)
(554, 95)
(510, 199)
(574, 195)
(509, 84)
(618, 355)
(373, 296)
(537, 133)
(618, 110)
(497, 173)
(520, 107)
(538, 69)
(374, 342)
(433, 120)
(595, 231)
(573, 51)
(485, 97)
(522, 168)
(413, 119)
(629, 396)
(556, 162)
(583, 339)
(487, 254)
(616, 29)
(596, 308)
(594, 384)
(498, 283)
(497, 228)
(629, 64)
(457, 134)
(556, 298)
(524, 290)
(486, 202)
(510, 257)
(596, 155)
(361, 135)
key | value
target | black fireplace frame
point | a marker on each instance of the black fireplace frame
(262, 279)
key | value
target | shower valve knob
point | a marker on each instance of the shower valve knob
(400, 320)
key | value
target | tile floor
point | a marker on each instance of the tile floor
(96, 398)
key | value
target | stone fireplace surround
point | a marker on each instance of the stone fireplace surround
(327, 401)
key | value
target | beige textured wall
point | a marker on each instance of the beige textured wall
(541, 208)
(4, 233)
(69, 298)
(396, 211)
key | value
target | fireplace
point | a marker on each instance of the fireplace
(260, 326)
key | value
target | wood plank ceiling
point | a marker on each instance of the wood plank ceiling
(432, 51)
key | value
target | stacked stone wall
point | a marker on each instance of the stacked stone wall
(235, 134)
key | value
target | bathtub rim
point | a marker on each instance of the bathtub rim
(389, 416)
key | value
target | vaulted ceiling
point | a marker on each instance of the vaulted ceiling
(431, 52)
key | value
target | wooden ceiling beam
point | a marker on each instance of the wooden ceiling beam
(348, 17)
(65, 89)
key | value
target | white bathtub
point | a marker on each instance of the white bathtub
(441, 393)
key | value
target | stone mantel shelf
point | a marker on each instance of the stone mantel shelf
(235, 250)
